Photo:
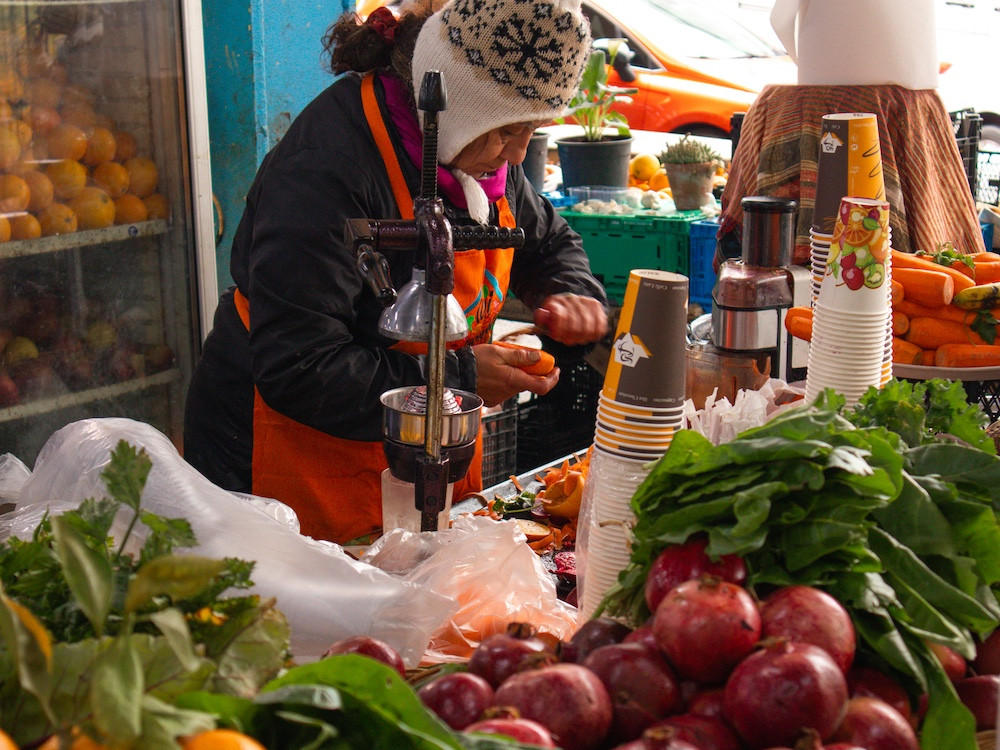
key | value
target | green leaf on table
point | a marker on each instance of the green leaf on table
(116, 688)
(87, 572)
(174, 627)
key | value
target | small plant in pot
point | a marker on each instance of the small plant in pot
(598, 157)
(690, 166)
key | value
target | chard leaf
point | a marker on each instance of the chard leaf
(916, 521)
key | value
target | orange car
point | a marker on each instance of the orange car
(694, 67)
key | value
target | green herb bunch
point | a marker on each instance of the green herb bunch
(686, 151)
(100, 640)
(591, 105)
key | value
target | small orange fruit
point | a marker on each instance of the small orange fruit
(6, 743)
(157, 206)
(68, 177)
(112, 177)
(66, 141)
(130, 209)
(40, 188)
(14, 194)
(79, 114)
(126, 146)
(6, 111)
(57, 218)
(24, 227)
(4, 236)
(659, 180)
(94, 208)
(142, 176)
(21, 129)
(42, 119)
(10, 148)
(80, 742)
(11, 83)
(221, 739)
(100, 147)
(43, 91)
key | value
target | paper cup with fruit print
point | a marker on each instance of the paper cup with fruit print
(857, 268)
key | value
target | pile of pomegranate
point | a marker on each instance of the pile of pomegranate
(713, 669)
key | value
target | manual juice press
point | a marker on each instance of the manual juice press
(753, 293)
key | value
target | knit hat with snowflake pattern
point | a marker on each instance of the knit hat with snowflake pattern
(503, 62)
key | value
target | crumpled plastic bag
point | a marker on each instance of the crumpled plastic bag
(325, 594)
(488, 569)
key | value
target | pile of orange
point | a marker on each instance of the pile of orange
(65, 167)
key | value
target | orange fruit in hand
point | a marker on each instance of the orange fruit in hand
(100, 147)
(57, 218)
(111, 177)
(66, 141)
(126, 146)
(157, 206)
(14, 193)
(220, 739)
(142, 176)
(130, 209)
(40, 187)
(68, 178)
(24, 227)
(94, 208)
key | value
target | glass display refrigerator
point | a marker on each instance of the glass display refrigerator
(107, 251)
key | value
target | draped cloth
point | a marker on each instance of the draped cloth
(925, 180)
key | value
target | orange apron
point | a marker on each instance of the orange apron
(334, 484)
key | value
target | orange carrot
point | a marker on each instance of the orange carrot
(900, 323)
(908, 261)
(945, 312)
(985, 257)
(800, 311)
(927, 357)
(897, 292)
(967, 355)
(904, 352)
(987, 272)
(928, 287)
(800, 327)
(544, 364)
(930, 333)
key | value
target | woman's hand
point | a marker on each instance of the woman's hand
(499, 375)
(572, 319)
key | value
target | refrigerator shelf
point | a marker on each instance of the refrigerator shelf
(79, 398)
(84, 238)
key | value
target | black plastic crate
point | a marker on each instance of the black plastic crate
(500, 443)
(560, 422)
(986, 393)
(968, 125)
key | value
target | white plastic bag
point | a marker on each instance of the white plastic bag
(488, 569)
(325, 594)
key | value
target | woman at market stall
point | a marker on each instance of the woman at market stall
(284, 401)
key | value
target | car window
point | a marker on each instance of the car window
(603, 27)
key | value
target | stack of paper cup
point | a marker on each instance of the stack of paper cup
(849, 163)
(851, 346)
(640, 407)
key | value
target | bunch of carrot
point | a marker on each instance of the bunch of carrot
(927, 327)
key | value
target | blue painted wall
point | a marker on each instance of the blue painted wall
(263, 65)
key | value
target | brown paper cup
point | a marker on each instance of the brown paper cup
(647, 364)
(850, 163)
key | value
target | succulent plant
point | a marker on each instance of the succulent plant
(686, 151)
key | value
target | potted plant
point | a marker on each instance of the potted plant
(690, 167)
(598, 157)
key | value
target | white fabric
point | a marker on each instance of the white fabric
(475, 197)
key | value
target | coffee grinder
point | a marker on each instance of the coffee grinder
(753, 292)
(430, 431)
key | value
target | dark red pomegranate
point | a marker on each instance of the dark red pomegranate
(804, 614)
(951, 661)
(875, 725)
(706, 703)
(523, 730)
(705, 627)
(642, 686)
(979, 695)
(658, 738)
(864, 681)
(987, 659)
(500, 655)
(567, 699)
(644, 635)
(777, 692)
(600, 631)
(458, 698)
(370, 647)
(703, 732)
(682, 562)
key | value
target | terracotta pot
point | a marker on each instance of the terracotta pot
(690, 184)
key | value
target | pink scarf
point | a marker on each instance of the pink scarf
(397, 97)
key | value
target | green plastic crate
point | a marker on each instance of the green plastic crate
(617, 244)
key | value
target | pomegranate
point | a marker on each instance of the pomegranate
(682, 562)
(458, 698)
(875, 725)
(658, 738)
(805, 614)
(644, 635)
(567, 699)
(706, 703)
(600, 631)
(370, 647)
(952, 662)
(871, 683)
(642, 686)
(703, 732)
(777, 692)
(979, 694)
(500, 655)
(523, 730)
(705, 627)
(987, 659)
